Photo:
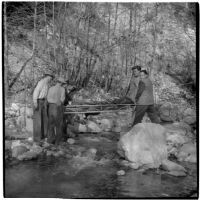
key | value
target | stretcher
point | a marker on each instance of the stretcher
(96, 108)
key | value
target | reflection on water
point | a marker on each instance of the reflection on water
(57, 178)
(153, 185)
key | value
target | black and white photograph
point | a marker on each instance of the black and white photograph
(100, 99)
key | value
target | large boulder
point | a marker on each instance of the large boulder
(144, 144)
(168, 112)
(19, 150)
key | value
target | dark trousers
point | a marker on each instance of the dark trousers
(55, 129)
(40, 121)
(140, 112)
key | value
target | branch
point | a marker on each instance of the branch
(19, 73)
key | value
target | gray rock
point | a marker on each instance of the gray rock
(71, 141)
(29, 125)
(121, 173)
(11, 126)
(29, 112)
(172, 166)
(106, 124)
(29, 155)
(168, 112)
(50, 153)
(21, 121)
(189, 112)
(8, 144)
(14, 106)
(187, 153)
(26, 110)
(177, 173)
(93, 127)
(191, 158)
(190, 119)
(19, 150)
(7, 122)
(82, 128)
(188, 148)
(15, 143)
(37, 149)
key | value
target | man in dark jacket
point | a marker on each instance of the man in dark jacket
(133, 86)
(145, 100)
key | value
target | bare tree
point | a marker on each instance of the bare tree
(5, 52)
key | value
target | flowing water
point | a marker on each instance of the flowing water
(63, 178)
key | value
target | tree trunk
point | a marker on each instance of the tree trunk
(5, 53)
(34, 43)
(130, 32)
(145, 34)
(108, 39)
(87, 58)
(115, 24)
(135, 30)
(154, 39)
(54, 39)
(109, 26)
(130, 20)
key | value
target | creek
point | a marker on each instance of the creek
(60, 177)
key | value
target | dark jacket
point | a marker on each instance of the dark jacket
(133, 87)
(144, 94)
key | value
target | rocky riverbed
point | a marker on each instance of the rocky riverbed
(90, 168)
(87, 164)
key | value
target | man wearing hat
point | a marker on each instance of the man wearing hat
(133, 85)
(40, 117)
(56, 98)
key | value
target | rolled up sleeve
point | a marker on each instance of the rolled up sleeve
(62, 98)
(36, 92)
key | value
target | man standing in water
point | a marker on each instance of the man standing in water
(56, 98)
(40, 117)
(144, 99)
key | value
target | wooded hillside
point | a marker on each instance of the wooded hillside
(98, 43)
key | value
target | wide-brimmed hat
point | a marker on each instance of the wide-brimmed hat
(61, 80)
(48, 74)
